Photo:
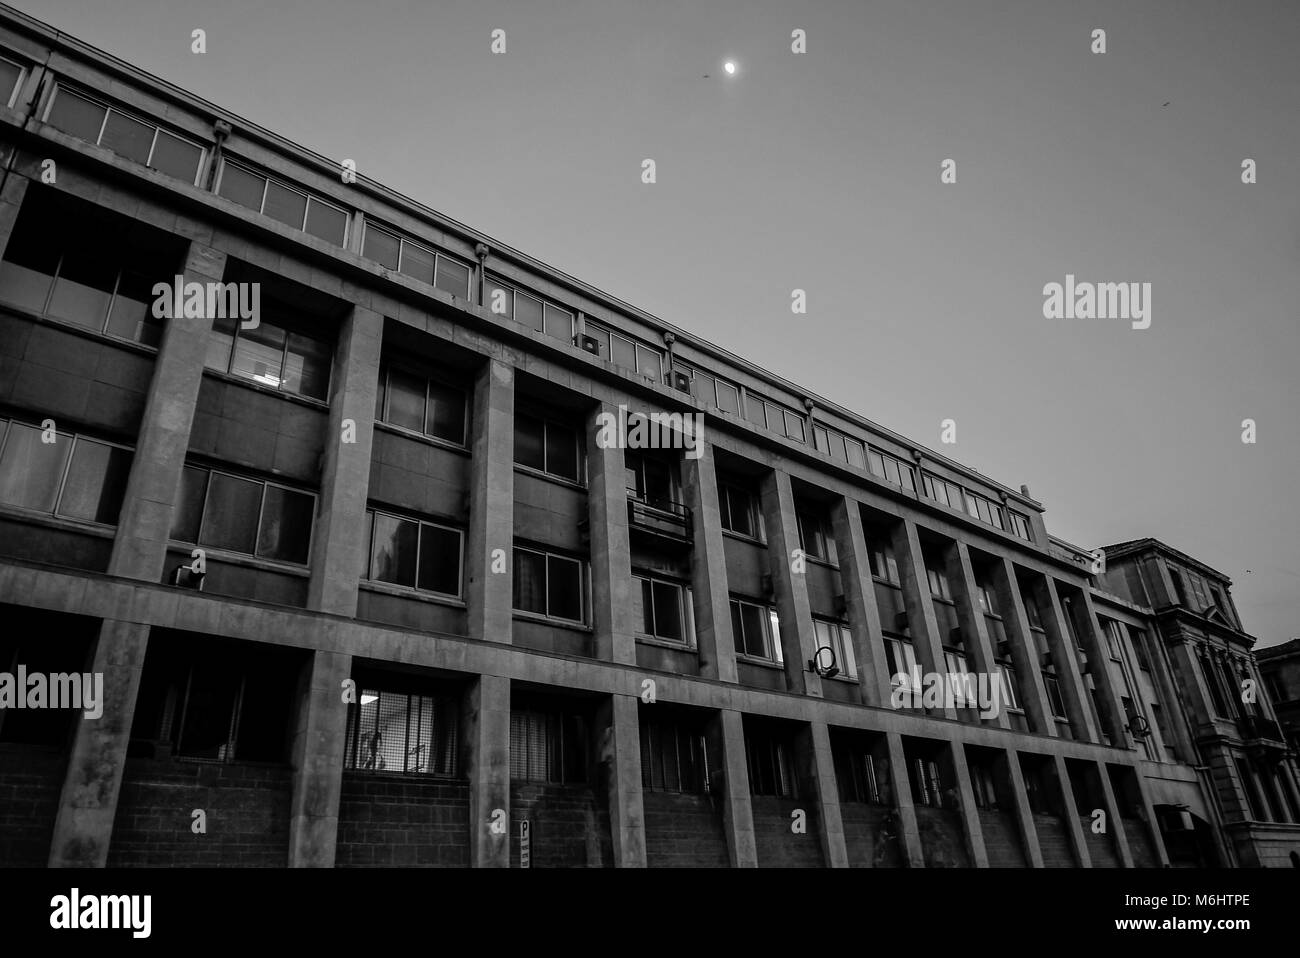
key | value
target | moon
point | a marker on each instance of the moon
(730, 67)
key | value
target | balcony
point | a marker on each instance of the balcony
(658, 517)
(1261, 733)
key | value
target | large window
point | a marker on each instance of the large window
(937, 576)
(541, 315)
(892, 469)
(775, 418)
(954, 661)
(712, 390)
(880, 556)
(985, 510)
(230, 707)
(416, 261)
(399, 732)
(11, 76)
(837, 637)
(73, 476)
(674, 757)
(740, 510)
(548, 447)
(547, 584)
(1010, 685)
(929, 787)
(627, 352)
(285, 204)
(756, 630)
(416, 402)
(143, 142)
(248, 516)
(1020, 526)
(1053, 686)
(839, 446)
(413, 553)
(770, 757)
(858, 778)
(815, 535)
(548, 744)
(662, 610)
(944, 492)
(900, 656)
(274, 353)
(653, 480)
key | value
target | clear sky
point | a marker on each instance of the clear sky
(821, 171)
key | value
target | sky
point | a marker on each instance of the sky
(821, 170)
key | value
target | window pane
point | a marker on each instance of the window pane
(738, 628)
(738, 507)
(561, 452)
(307, 367)
(9, 74)
(30, 470)
(564, 588)
(446, 413)
(453, 277)
(821, 440)
(127, 137)
(243, 187)
(230, 519)
(259, 354)
(393, 555)
(285, 205)
(794, 426)
(530, 442)
(751, 617)
(71, 114)
(649, 363)
(96, 482)
(363, 554)
(29, 265)
(856, 458)
(83, 288)
(728, 397)
(327, 222)
(176, 157)
(668, 612)
(528, 310)
(220, 342)
(530, 581)
(439, 559)
(189, 507)
(383, 248)
(848, 664)
(643, 611)
(286, 525)
(131, 315)
(417, 262)
(559, 323)
(405, 400)
(624, 352)
(209, 708)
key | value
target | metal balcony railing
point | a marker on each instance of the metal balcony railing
(659, 515)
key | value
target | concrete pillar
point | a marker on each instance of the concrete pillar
(728, 734)
(970, 617)
(88, 802)
(621, 757)
(1114, 819)
(487, 759)
(1152, 825)
(922, 623)
(821, 769)
(488, 594)
(611, 547)
(11, 199)
(969, 812)
(1171, 704)
(1065, 656)
(798, 639)
(1024, 650)
(909, 833)
(709, 592)
(1073, 827)
(317, 754)
(1110, 708)
(860, 598)
(1024, 813)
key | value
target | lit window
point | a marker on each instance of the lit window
(401, 733)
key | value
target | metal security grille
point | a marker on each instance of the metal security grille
(396, 732)
(548, 746)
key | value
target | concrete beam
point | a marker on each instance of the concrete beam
(489, 595)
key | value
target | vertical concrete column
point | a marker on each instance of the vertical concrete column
(970, 617)
(1114, 819)
(88, 802)
(737, 812)
(860, 597)
(1171, 703)
(487, 758)
(1065, 656)
(909, 833)
(1073, 827)
(11, 199)
(798, 639)
(1111, 710)
(821, 769)
(709, 594)
(1024, 814)
(337, 538)
(611, 546)
(1187, 663)
(1024, 650)
(1152, 825)
(969, 812)
(922, 623)
(621, 756)
(488, 593)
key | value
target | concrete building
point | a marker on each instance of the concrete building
(366, 586)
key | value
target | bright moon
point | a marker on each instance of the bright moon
(729, 67)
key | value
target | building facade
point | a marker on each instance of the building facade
(314, 477)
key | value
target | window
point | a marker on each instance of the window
(652, 480)
(243, 515)
(714, 391)
(756, 631)
(74, 476)
(955, 662)
(285, 204)
(1053, 686)
(740, 511)
(396, 732)
(1037, 791)
(626, 352)
(1139, 638)
(230, 707)
(986, 510)
(944, 492)
(662, 610)
(145, 143)
(11, 76)
(547, 584)
(416, 261)
(988, 603)
(274, 354)
(1216, 690)
(548, 745)
(674, 757)
(984, 786)
(547, 446)
(1114, 639)
(1010, 685)
(814, 537)
(903, 668)
(413, 553)
(1032, 612)
(1019, 526)
(421, 404)
(927, 784)
(837, 637)
(937, 576)
(771, 769)
(543, 316)
(892, 469)
(775, 418)
(881, 559)
(856, 775)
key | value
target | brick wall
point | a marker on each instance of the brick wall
(1054, 842)
(1002, 839)
(869, 844)
(247, 810)
(778, 847)
(30, 782)
(683, 831)
(942, 838)
(1101, 848)
(402, 820)
(568, 828)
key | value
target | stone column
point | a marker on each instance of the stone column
(621, 757)
(487, 758)
(970, 616)
(1071, 812)
(821, 766)
(727, 734)
(922, 623)
(1024, 813)
(1024, 650)
(490, 543)
(709, 593)
(909, 832)
(1065, 656)
(611, 547)
(860, 597)
(798, 639)
(970, 814)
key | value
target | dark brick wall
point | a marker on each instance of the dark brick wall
(942, 839)
(1002, 839)
(1101, 848)
(403, 821)
(778, 847)
(869, 844)
(568, 828)
(30, 781)
(1054, 842)
(247, 810)
(683, 831)
(1139, 844)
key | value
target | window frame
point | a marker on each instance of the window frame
(753, 508)
(261, 509)
(402, 242)
(775, 655)
(65, 470)
(309, 197)
(840, 637)
(583, 602)
(292, 329)
(547, 422)
(685, 615)
(372, 511)
(385, 385)
(23, 70)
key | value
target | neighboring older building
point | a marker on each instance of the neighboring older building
(367, 587)
(1280, 667)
